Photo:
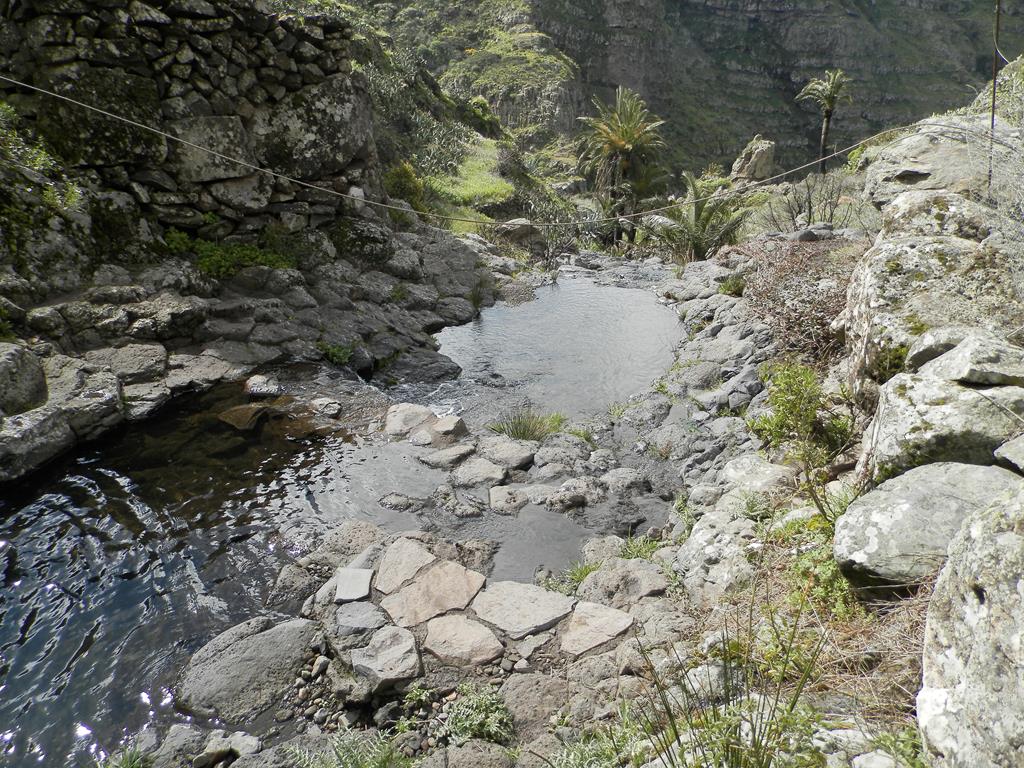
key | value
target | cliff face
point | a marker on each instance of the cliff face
(721, 70)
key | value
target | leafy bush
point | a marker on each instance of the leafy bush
(815, 574)
(800, 423)
(526, 424)
(623, 742)
(354, 749)
(223, 260)
(707, 219)
(402, 182)
(336, 354)
(479, 713)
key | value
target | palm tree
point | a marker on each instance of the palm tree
(706, 220)
(619, 148)
(826, 93)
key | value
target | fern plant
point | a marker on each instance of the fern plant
(354, 749)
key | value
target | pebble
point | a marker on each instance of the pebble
(320, 717)
(320, 665)
(283, 715)
(309, 712)
(507, 665)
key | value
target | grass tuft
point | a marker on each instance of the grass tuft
(527, 424)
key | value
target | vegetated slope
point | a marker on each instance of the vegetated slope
(718, 71)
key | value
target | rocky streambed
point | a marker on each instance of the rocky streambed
(122, 559)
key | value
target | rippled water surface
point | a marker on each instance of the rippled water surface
(576, 349)
(121, 561)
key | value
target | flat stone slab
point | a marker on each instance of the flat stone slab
(353, 618)
(403, 418)
(979, 360)
(478, 471)
(461, 641)
(507, 452)
(444, 587)
(402, 560)
(352, 584)
(521, 609)
(390, 657)
(447, 458)
(593, 625)
(1011, 454)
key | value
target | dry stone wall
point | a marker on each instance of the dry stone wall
(270, 90)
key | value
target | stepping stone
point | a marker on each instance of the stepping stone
(506, 452)
(403, 418)
(461, 641)
(451, 426)
(390, 657)
(447, 458)
(521, 609)
(593, 625)
(355, 618)
(445, 587)
(478, 471)
(402, 560)
(506, 500)
(352, 584)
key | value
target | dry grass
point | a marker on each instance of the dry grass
(798, 289)
(867, 670)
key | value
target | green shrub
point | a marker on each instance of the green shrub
(177, 242)
(402, 182)
(223, 260)
(479, 713)
(127, 758)
(622, 742)
(800, 423)
(890, 360)
(336, 354)
(903, 746)
(526, 424)
(354, 749)
(815, 574)
(584, 434)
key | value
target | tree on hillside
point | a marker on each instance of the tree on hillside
(706, 219)
(826, 93)
(619, 149)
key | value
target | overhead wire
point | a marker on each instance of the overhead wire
(458, 219)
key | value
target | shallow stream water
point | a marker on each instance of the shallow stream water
(120, 561)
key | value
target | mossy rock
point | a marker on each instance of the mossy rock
(361, 241)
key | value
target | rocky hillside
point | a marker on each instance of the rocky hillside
(718, 72)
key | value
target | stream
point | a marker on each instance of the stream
(121, 560)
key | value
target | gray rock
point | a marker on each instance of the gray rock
(507, 499)
(245, 670)
(293, 585)
(132, 363)
(178, 747)
(447, 458)
(402, 560)
(521, 609)
(445, 586)
(461, 641)
(352, 584)
(968, 708)
(533, 698)
(897, 534)
(506, 452)
(1011, 454)
(22, 381)
(390, 657)
(353, 618)
(753, 473)
(477, 753)
(403, 418)
(620, 583)
(922, 419)
(874, 759)
(623, 479)
(478, 471)
(592, 625)
(977, 360)
(938, 341)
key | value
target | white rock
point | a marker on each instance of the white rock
(477, 471)
(507, 452)
(521, 609)
(351, 584)
(622, 479)
(444, 587)
(507, 500)
(461, 641)
(450, 426)
(403, 418)
(390, 657)
(592, 625)
(402, 560)
(447, 458)
(1011, 454)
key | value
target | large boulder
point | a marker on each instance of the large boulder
(246, 670)
(22, 381)
(756, 162)
(970, 709)
(321, 129)
(903, 286)
(620, 583)
(922, 419)
(897, 534)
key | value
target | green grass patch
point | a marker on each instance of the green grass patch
(527, 424)
(476, 183)
(639, 548)
(569, 580)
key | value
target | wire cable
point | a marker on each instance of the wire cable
(482, 222)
